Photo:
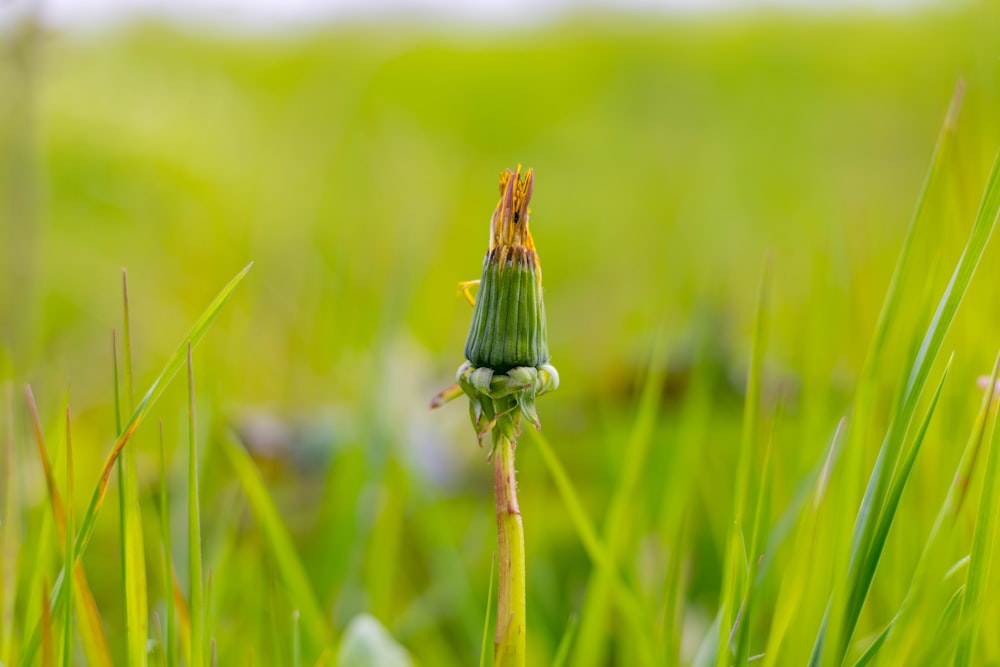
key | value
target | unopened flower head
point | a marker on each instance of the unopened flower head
(507, 350)
(508, 322)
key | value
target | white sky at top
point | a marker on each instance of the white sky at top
(289, 14)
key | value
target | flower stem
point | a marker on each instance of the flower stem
(508, 644)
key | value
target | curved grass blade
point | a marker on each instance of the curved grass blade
(593, 623)
(170, 369)
(892, 504)
(95, 643)
(69, 555)
(983, 546)
(196, 590)
(562, 653)
(736, 578)
(625, 596)
(170, 631)
(48, 641)
(795, 580)
(280, 542)
(489, 613)
(874, 647)
(296, 640)
(867, 380)
(864, 561)
(132, 542)
(9, 532)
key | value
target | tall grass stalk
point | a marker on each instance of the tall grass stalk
(983, 546)
(69, 560)
(489, 613)
(195, 586)
(132, 542)
(9, 531)
(169, 630)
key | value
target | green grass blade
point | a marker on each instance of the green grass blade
(170, 369)
(864, 562)
(965, 469)
(867, 381)
(627, 600)
(983, 539)
(742, 629)
(895, 291)
(296, 640)
(48, 640)
(888, 514)
(10, 543)
(735, 578)
(196, 590)
(794, 582)
(170, 631)
(562, 652)
(891, 503)
(279, 541)
(69, 559)
(873, 648)
(593, 623)
(489, 614)
(95, 643)
(132, 541)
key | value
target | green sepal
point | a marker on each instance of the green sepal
(497, 401)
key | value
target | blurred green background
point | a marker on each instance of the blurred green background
(356, 166)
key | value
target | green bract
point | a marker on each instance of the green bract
(508, 321)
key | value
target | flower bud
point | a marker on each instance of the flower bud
(508, 321)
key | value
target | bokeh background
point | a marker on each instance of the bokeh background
(353, 158)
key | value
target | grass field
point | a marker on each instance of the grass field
(706, 188)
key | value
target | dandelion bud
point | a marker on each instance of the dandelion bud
(508, 321)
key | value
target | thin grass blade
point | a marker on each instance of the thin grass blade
(625, 596)
(279, 541)
(983, 544)
(132, 541)
(69, 559)
(562, 652)
(735, 578)
(593, 631)
(9, 533)
(95, 643)
(170, 631)
(195, 588)
(943, 148)
(48, 634)
(489, 614)
(805, 506)
(171, 368)
(864, 561)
